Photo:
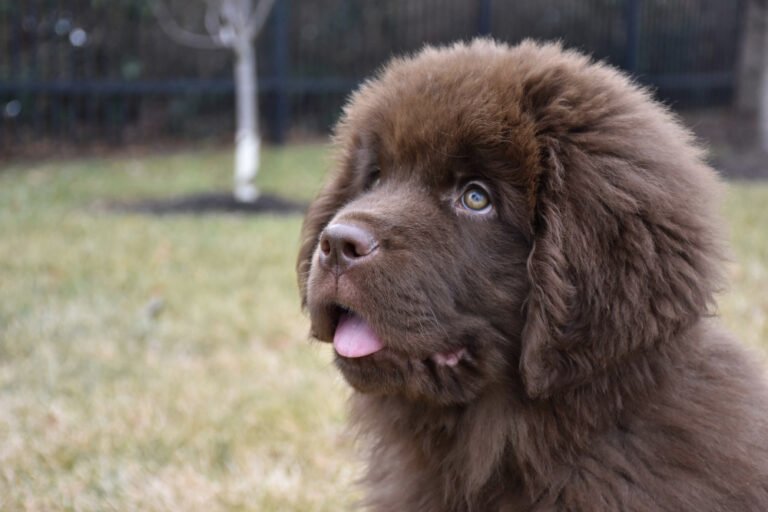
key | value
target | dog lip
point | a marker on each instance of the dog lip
(329, 317)
(334, 310)
(325, 317)
(449, 358)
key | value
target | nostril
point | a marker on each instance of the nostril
(351, 250)
(325, 246)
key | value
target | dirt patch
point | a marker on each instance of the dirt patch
(213, 202)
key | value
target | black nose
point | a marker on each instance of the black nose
(345, 245)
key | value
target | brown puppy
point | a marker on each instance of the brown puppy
(515, 259)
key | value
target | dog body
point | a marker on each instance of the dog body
(515, 259)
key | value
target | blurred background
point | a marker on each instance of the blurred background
(152, 350)
(80, 74)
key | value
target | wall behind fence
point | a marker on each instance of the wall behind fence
(101, 72)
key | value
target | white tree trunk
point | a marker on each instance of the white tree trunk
(247, 140)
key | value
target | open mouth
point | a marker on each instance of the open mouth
(353, 337)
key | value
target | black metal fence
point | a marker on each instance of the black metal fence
(102, 71)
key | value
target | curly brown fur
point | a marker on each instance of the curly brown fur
(591, 375)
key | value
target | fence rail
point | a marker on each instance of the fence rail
(89, 70)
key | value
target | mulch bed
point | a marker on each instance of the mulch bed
(214, 202)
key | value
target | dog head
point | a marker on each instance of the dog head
(504, 215)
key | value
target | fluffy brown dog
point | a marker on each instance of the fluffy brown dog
(515, 258)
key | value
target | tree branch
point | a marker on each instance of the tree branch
(213, 16)
(259, 17)
(180, 34)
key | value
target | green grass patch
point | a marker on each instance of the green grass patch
(162, 363)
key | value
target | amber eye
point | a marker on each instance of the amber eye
(475, 198)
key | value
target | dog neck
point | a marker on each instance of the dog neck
(502, 436)
(466, 447)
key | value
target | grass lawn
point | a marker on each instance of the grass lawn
(162, 363)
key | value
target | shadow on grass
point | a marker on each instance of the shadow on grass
(211, 202)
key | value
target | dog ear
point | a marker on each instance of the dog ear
(624, 257)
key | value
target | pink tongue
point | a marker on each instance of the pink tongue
(355, 338)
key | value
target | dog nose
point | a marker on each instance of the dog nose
(345, 245)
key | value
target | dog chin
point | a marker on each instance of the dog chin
(442, 379)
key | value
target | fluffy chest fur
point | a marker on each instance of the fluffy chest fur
(663, 453)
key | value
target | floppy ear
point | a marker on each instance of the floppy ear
(624, 258)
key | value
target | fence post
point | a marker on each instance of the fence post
(632, 28)
(484, 18)
(280, 61)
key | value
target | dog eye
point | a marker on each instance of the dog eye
(475, 198)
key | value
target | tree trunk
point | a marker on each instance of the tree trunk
(751, 58)
(762, 109)
(247, 140)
